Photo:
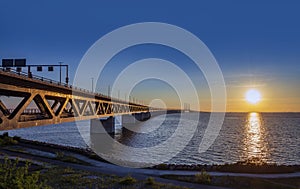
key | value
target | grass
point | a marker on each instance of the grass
(58, 177)
(24, 175)
(150, 181)
(6, 140)
(203, 177)
(257, 183)
(251, 165)
(128, 180)
(14, 174)
(70, 159)
(200, 178)
(255, 165)
(241, 182)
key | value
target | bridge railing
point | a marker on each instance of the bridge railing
(27, 111)
(36, 77)
(44, 79)
(57, 83)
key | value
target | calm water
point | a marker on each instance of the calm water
(269, 137)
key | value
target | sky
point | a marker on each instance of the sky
(256, 44)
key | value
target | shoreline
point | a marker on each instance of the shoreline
(248, 166)
(62, 163)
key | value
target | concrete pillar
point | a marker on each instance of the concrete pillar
(131, 120)
(138, 116)
(157, 113)
(147, 115)
(128, 120)
(108, 126)
(142, 116)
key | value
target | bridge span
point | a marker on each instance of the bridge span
(56, 102)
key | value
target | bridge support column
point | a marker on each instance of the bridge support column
(128, 120)
(108, 126)
(142, 116)
(158, 113)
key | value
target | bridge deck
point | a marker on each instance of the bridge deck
(57, 103)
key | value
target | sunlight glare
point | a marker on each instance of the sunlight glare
(253, 96)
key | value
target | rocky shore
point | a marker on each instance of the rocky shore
(253, 165)
(68, 167)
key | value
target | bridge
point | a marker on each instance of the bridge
(57, 102)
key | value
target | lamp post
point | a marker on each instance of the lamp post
(60, 72)
(92, 84)
(108, 91)
(67, 75)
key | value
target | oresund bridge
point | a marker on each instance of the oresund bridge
(57, 102)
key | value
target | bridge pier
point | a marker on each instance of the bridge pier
(135, 118)
(142, 116)
(128, 120)
(109, 123)
(108, 126)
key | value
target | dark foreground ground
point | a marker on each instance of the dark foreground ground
(30, 164)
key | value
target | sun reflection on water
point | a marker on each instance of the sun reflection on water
(254, 144)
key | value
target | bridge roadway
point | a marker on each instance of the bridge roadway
(57, 103)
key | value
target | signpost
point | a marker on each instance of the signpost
(19, 63)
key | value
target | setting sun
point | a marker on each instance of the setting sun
(253, 96)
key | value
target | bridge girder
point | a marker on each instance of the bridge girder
(65, 107)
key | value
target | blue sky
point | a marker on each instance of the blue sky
(255, 43)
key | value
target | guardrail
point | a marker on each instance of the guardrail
(57, 83)
(27, 111)
(50, 81)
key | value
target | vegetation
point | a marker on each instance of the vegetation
(70, 178)
(203, 177)
(58, 177)
(5, 140)
(242, 182)
(14, 175)
(257, 183)
(19, 174)
(150, 181)
(251, 165)
(255, 165)
(65, 158)
(162, 166)
(200, 178)
(128, 180)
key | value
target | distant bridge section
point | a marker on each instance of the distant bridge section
(56, 102)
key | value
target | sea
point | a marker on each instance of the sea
(265, 137)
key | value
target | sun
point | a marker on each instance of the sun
(253, 96)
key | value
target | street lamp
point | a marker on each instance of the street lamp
(60, 72)
(92, 84)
